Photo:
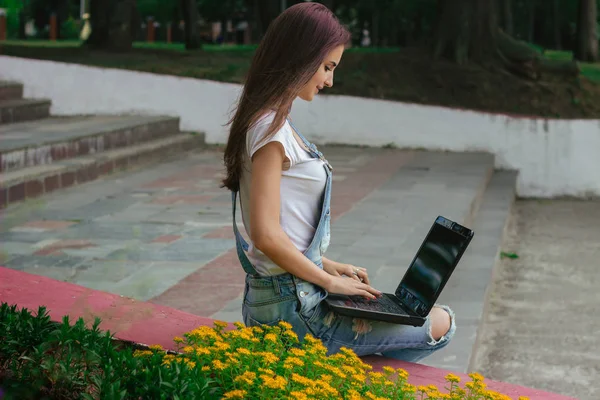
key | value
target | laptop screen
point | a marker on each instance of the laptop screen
(433, 264)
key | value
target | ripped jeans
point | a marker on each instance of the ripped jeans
(268, 300)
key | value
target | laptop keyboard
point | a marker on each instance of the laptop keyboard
(383, 304)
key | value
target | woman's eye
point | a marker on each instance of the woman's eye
(327, 68)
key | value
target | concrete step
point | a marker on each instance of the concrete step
(466, 291)
(10, 90)
(37, 180)
(17, 110)
(49, 140)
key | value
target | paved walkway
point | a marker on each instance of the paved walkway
(541, 326)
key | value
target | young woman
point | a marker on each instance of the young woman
(284, 185)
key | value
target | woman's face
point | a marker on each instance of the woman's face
(324, 75)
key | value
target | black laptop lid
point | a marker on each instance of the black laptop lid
(433, 264)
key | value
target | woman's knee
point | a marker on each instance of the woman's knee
(440, 322)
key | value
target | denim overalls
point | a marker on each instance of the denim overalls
(285, 297)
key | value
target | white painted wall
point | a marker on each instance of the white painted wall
(554, 157)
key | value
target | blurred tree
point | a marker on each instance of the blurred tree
(113, 24)
(586, 48)
(190, 14)
(468, 30)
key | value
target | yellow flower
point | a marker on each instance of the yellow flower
(188, 349)
(201, 351)
(190, 364)
(235, 394)
(523, 398)
(220, 346)
(257, 329)
(142, 353)
(247, 377)
(301, 379)
(297, 352)
(389, 370)
(359, 377)
(452, 378)
(220, 324)
(271, 337)
(276, 382)
(476, 377)
(408, 388)
(156, 347)
(298, 396)
(243, 351)
(402, 374)
(353, 395)
(266, 371)
(178, 339)
(291, 335)
(376, 377)
(348, 369)
(206, 368)
(293, 361)
(219, 365)
(239, 325)
(269, 358)
(285, 325)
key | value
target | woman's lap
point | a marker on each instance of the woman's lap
(303, 307)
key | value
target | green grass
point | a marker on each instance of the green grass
(589, 70)
(180, 46)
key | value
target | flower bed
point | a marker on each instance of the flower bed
(42, 359)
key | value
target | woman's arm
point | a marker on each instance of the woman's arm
(268, 236)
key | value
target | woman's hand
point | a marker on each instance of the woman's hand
(358, 284)
(338, 269)
(351, 287)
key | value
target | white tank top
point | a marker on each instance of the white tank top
(303, 180)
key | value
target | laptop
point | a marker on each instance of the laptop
(422, 283)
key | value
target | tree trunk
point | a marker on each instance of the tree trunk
(468, 30)
(531, 27)
(556, 24)
(189, 9)
(112, 24)
(268, 10)
(507, 16)
(586, 48)
(375, 39)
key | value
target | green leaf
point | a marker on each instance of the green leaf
(508, 255)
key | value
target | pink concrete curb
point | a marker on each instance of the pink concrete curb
(149, 323)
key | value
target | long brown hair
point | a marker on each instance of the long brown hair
(288, 56)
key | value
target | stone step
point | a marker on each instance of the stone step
(37, 180)
(10, 90)
(17, 110)
(466, 291)
(49, 140)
